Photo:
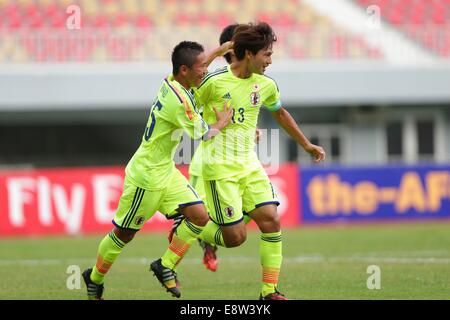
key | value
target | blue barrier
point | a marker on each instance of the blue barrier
(374, 193)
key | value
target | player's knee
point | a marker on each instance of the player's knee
(270, 223)
(196, 214)
(200, 220)
(126, 235)
(235, 241)
(274, 221)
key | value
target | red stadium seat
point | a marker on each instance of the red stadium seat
(100, 21)
(182, 19)
(110, 17)
(222, 20)
(142, 21)
(418, 19)
(120, 20)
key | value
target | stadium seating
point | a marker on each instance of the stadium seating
(124, 30)
(424, 21)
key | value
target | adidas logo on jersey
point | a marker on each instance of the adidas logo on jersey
(227, 96)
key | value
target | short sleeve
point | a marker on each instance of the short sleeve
(273, 103)
(191, 121)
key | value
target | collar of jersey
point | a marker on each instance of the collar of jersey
(232, 74)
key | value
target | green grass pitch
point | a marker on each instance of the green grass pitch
(326, 262)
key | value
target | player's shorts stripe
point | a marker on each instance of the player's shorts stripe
(134, 207)
(133, 204)
(216, 201)
(192, 189)
(212, 74)
(131, 207)
(173, 90)
(219, 213)
(273, 193)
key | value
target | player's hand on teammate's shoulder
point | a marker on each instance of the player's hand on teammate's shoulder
(317, 152)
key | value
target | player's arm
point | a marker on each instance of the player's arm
(219, 52)
(193, 123)
(285, 120)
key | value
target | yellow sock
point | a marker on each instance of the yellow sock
(108, 250)
(183, 237)
(212, 234)
(270, 251)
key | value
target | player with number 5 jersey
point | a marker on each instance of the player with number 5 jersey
(153, 183)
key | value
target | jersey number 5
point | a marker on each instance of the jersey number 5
(149, 130)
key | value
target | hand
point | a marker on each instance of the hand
(224, 117)
(258, 135)
(316, 152)
(225, 48)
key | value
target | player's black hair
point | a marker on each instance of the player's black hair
(252, 37)
(227, 35)
(185, 53)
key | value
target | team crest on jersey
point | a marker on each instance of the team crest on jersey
(229, 211)
(255, 98)
(139, 220)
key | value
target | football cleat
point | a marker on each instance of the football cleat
(94, 291)
(167, 277)
(273, 296)
(209, 255)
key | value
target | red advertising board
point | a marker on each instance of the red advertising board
(84, 200)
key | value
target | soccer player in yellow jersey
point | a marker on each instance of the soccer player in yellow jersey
(234, 179)
(195, 167)
(152, 183)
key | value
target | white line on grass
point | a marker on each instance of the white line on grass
(233, 259)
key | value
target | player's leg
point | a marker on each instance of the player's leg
(209, 250)
(261, 202)
(225, 209)
(136, 206)
(196, 183)
(180, 198)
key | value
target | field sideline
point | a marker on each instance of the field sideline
(327, 262)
